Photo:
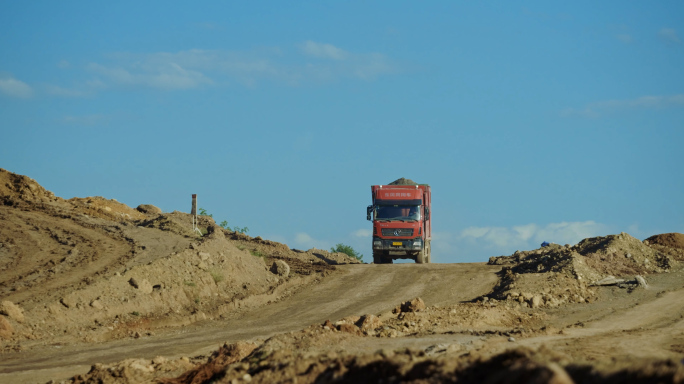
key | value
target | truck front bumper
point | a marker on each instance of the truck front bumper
(406, 245)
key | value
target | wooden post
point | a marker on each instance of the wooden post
(193, 212)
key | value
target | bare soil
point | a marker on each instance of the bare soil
(92, 290)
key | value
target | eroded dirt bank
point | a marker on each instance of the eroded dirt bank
(95, 291)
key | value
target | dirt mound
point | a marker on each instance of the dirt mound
(324, 353)
(178, 223)
(93, 269)
(15, 189)
(520, 365)
(319, 353)
(621, 255)
(403, 181)
(135, 371)
(555, 274)
(108, 209)
(672, 240)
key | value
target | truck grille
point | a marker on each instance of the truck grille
(399, 232)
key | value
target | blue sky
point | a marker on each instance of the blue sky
(531, 121)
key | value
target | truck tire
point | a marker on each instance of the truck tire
(420, 257)
(379, 258)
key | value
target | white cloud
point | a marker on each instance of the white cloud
(167, 76)
(366, 66)
(600, 108)
(529, 236)
(15, 88)
(569, 232)
(305, 241)
(63, 64)
(365, 233)
(324, 51)
(311, 63)
(669, 35)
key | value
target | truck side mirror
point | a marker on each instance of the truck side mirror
(369, 211)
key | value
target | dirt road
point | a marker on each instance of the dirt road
(352, 290)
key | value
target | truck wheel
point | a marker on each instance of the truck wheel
(420, 257)
(379, 258)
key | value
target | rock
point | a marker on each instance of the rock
(414, 305)
(550, 373)
(328, 325)
(12, 311)
(204, 256)
(369, 323)
(141, 365)
(68, 302)
(6, 329)
(536, 301)
(511, 339)
(349, 328)
(280, 268)
(143, 285)
(610, 280)
(149, 209)
(96, 304)
(641, 281)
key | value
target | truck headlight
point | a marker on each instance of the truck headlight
(377, 244)
(418, 244)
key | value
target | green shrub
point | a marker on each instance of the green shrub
(242, 230)
(224, 224)
(348, 250)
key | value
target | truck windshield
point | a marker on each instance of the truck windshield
(397, 212)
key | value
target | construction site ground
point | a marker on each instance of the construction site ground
(92, 290)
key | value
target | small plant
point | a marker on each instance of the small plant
(135, 313)
(242, 230)
(197, 300)
(241, 247)
(256, 253)
(348, 250)
(224, 224)
(189, 283)
(203, 212)
(217, 276)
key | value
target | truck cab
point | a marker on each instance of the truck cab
(401, 222)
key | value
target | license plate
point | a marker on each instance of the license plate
(399, 243)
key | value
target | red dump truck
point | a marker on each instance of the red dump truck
(401, 221)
